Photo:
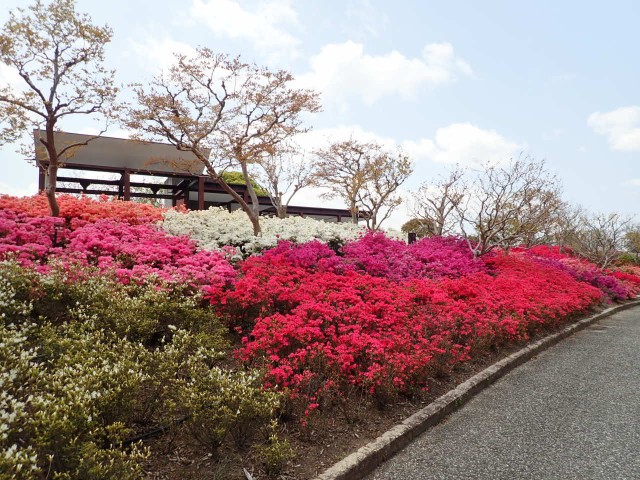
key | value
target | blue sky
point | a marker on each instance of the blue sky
(454, 81)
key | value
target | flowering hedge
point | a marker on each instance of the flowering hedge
(379, 255)
(322, 329)
(325, 309)
(134, 252)
(84, 209)
(217, 228)
(617, 285)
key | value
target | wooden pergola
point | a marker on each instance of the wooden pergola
(181, 175)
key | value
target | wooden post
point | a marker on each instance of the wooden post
(126, 179)
(42, 178)
(201, 193)
(186, 195)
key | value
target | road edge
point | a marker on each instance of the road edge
(367, 458)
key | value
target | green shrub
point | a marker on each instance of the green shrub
(76, 376)
(276, 453)
(223, 403)
(50, 417)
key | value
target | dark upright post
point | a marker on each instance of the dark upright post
(201, 193)
(126, 180)
(41, 178)
(412, 237)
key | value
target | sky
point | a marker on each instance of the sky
(448, 81)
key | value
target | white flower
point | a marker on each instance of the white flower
(216, 228)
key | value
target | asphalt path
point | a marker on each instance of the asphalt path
(573, 412)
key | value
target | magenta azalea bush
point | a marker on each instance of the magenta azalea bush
(435, 257)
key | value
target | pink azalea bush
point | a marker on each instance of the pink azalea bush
(133, 251)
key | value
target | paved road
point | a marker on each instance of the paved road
(571, 413)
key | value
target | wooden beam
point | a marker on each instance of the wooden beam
(112, 193)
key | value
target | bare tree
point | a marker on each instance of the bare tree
(562, 227)
(436, 202)
(58, 54)
(600, 238)
(508, 205)
(365, 175)
(283, 174)
(632, 241)
(342, 168)
(378, 196)
(226, 112)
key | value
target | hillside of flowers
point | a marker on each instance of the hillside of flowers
(119, 317)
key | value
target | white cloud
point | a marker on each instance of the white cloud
(20, 191)
(465, 144)
(634, 182)
(343, 69)
(620, 126)
(318, 138)
(159, 53)
(262, 24)
(461, 143)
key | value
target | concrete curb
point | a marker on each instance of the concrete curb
(367, 458)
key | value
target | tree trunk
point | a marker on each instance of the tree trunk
(257, 230)
(281, 211)
(248, 209)
(50, 189)
(354, 213)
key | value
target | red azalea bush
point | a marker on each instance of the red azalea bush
(84, 209)
(626, 277)
(324, 334)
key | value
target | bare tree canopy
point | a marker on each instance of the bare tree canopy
(228, 113)
(58, 55)
(632, 241)
(365, 175)
(283, 174)
(507, 205)
(436, 202)
(497, 206)
(600, 238)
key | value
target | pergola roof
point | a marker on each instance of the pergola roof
(184, 181)
(119, 153)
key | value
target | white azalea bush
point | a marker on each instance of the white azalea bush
(217, 228)
(51, 420)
